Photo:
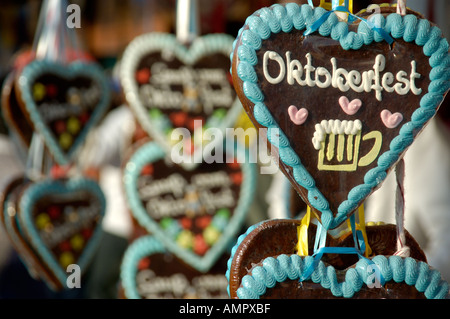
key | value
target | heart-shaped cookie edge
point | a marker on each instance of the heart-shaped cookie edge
(426, 279)
(151, 152)
(33, 193)
(69, 71)
(139, 249)
(279, 18)
(200, 47)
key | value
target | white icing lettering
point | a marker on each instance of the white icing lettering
(366, 81)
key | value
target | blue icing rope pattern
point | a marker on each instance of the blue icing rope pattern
(279, 18)
(394, 268)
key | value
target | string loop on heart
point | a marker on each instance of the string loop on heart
(373, 24)
(402, 249)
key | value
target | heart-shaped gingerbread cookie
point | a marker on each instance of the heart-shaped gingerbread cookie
(61, 220)
(341, 105)
(149, 271)
(265, 265)
(197, 213)
(170, 86)
(62, 103)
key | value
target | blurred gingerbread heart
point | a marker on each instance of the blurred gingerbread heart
(149, 271)
(195, 214)
(63, 102)
(265, 265)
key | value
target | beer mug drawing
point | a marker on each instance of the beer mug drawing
(338, 143)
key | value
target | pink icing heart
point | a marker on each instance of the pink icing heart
(391, 120)
(349, 107)
(297, 116)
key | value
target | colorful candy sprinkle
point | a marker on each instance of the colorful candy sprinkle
(42, 220)
(211, 235)
(65, 259)
(65, 140)
(39, 92)
(73, 125)
(77, 242)
(200, 246)
(185, 239)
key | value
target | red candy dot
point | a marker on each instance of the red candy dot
(147, 170)
(234, 165)
(84, 117)
(143, 76)
(200, 245)
(203, 222)
(186, 223)
(87, 233)
(144, 263)
(54, 212)
(52, 90)
(178, 119)
(60, 127)
(65, 246)
(236, 178)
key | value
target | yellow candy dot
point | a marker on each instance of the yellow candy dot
(211, 235)
(42, 220)
(66, 259)
(185, 239)
(73, 125)
(39, 91)
(77, 242)
(65, 140)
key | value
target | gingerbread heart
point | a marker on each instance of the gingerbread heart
(63, 103)
(265, 265)
(149, 271)
(344, 76)
(170, 86)
(197, 213)
(61, 220)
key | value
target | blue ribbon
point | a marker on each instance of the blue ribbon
(320, 249)
(351, 17)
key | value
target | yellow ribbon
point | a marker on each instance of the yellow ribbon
(302, 233)
(328, 5)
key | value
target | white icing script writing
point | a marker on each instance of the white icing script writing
(85, 215)
(293, 70)
(174, 195)
(177, 285)
(187, 89)
(78, 100)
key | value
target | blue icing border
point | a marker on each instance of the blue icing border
(152, 152)
(39, 189)
(278, 18)
(140, 248)
(91, 70)
(395, 268)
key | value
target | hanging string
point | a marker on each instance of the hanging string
(402, 249)
(401, 7)
(187, 21)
